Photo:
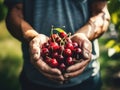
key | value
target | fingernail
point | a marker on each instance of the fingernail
(35, 56)
(66, 76)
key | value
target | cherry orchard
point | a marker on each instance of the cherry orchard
(60, 51)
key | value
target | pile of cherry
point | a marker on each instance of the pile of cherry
(60, 51)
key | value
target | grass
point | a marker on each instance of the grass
(11, 63)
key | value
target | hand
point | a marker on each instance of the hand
(51, 73)
(79, 67)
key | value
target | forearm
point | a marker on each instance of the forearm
(17, 26)
(98, 22)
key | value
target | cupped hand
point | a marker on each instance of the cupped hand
(76, 69)
(51, 73)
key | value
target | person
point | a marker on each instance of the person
(30, 22)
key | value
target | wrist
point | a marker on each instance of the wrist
(30, 34)
(87, 30)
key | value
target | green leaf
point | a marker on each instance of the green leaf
(110, 43)
(59, 29)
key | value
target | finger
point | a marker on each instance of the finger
(42, 39)
(43, 67)
(56, 78)
(87, 54)
(74, 74)
(77, 66)
(87, 45)
(87, 49)
(34, 50)
(35, 53)
(35, 42)
(50, 73)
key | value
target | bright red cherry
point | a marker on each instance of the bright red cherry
(54, 46)
(67, 52)
(69, 45)
(53, 63)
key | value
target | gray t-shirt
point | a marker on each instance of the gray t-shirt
(42, 14)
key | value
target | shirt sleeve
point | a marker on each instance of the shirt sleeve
(10, 3)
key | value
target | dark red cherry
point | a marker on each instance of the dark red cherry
(69, 61)
(75, 44)
(62, 67)
(45, 52)
(55, 55)
(60, 58)
(62, 34)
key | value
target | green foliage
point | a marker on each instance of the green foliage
(3, 10)
(114, 6)
(110, 67)
(114, 9)
(10, 60)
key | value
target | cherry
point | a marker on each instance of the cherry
(62, 67)
(60, 58)
(69, 45)
(75, 44)
(45, 45)
(45, 52)
(54, 46)
(47, 60)
(55, 55)
(67, 52)
(78, 53)
(53, 63)
(62, 34)
(78, 50)
(69, 61)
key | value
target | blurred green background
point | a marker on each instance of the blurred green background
(11, 56)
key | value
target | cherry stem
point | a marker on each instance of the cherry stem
(52, 32)
(69, 34)
(62, 42)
